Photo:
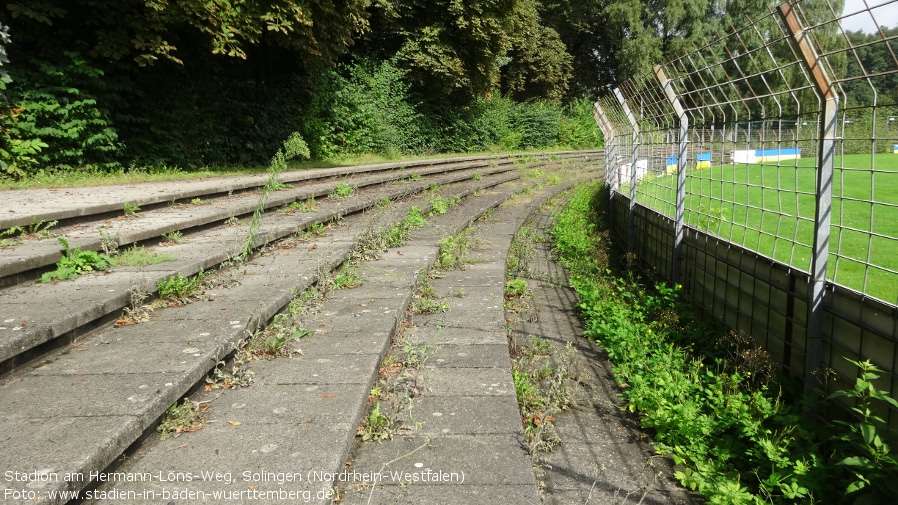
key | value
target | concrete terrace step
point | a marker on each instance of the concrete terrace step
(155, 222)
(111, 388)
(32, 314)
(22, 207)
(298, 420)
(471, 447)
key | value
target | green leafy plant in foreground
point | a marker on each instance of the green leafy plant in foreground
(737, 436)
(75, 262)
(862, 448)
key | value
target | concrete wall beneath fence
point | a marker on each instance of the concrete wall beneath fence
(767, 300)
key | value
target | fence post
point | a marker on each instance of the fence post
(680, 212)
(826, 149)
(631, 221)
(610, 146)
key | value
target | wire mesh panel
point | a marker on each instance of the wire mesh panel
(788, 124)
(753, 112)
(858, 45)
(618, 153)
(656, 162)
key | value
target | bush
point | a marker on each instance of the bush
(578, 128)
(366, 111)
(537, 123)
(214, 115)
(54, 120)
(498, 123)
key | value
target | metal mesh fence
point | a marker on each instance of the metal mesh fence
(779, 139)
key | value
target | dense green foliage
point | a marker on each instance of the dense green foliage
(103, 86)
(99, 86)
(712, 398)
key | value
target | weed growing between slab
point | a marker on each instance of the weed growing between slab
(454, 250)
(392, 399)
(109, 242)
(314, 230)
(711, 397)
(179, 290)
(294, 147)
(341, 190)
(400, 234)
(131, 209)
(521, 252)
(347, 276)
(186, 417)
(372, 243)
(426, 299)
(440, 205)
(138, 312)
(517, 296)
(173, 237)
(38, 229)
(138, 256)
(275, 340)
(309, 205)
(75, 262)
(542, 377)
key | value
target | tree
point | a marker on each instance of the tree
(451, 48)
(591, 39)
(538, 64)
(148, 30)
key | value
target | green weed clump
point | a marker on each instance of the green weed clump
(75, 262)
(341, 190)
(440, 205)
(138, 256)
(542, 377)
(179, 289)
(184, 418)
(38, 229)
(399, 234)
(713, 401)
(454, 250)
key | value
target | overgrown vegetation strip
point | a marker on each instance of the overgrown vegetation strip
(713, 398)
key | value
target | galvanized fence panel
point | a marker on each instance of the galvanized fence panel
(761, 171)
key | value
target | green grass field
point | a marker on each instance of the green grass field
(770, 209)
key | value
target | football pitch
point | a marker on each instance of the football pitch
(769, 208)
